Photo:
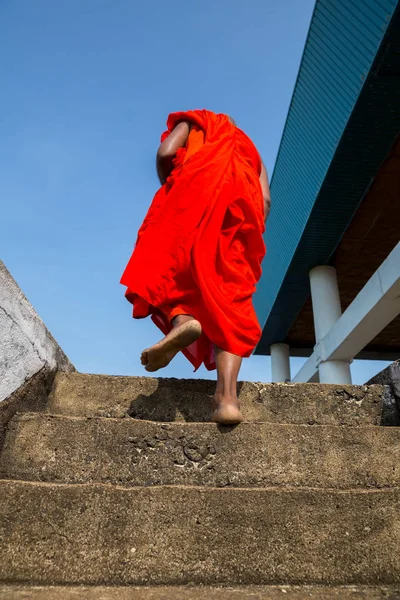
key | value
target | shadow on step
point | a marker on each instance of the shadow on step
(187, 400)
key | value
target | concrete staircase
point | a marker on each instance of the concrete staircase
(302, 500)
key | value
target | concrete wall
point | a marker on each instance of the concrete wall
(390, 378)
(26, 346)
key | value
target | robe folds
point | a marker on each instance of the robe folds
(200, 247)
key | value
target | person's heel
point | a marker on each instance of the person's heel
(226, 412)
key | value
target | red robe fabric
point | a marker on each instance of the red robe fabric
(200, 247)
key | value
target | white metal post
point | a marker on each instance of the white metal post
(280, 363)
(327, 310)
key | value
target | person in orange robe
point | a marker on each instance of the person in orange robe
(198, 252)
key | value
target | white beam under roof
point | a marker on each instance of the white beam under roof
(376, 305)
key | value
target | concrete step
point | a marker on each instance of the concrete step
(78, 394)
(287, 592)
(130, 452)
(101, 534)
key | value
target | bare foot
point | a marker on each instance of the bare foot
(161, 354)
(226, 410)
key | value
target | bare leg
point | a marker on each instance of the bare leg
(181, 319)
(185, 331)
(226, 408)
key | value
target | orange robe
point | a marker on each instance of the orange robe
(200, 247)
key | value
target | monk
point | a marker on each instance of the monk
(198, 252)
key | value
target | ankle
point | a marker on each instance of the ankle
(221, 397)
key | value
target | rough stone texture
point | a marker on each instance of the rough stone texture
(124, 451)
(26, 344)
(98, 534)
(200, 593)
(190, 400)
(390, 378)
(31, 396)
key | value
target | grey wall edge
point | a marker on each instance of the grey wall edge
(390, 378)
(29, 355)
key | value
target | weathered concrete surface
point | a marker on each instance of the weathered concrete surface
(200, 593)
(98, 534)
(190, 400)
(390, 377)
(31, 396)
(124, 451)
(26, 344)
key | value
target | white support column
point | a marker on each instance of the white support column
(280, 363)
(374, 307)
(334, 371)
(327, 311)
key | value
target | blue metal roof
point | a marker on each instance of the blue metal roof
(342, 44)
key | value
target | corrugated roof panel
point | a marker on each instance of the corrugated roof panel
(351, 66)
(345, 34)
(366, 19)
(342, 43)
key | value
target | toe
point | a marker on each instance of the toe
(144, 358)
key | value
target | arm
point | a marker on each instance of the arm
(166, 152)
(265, 190)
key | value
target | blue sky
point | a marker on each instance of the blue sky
(86, 89)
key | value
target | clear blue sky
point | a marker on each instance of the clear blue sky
(86, 88)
